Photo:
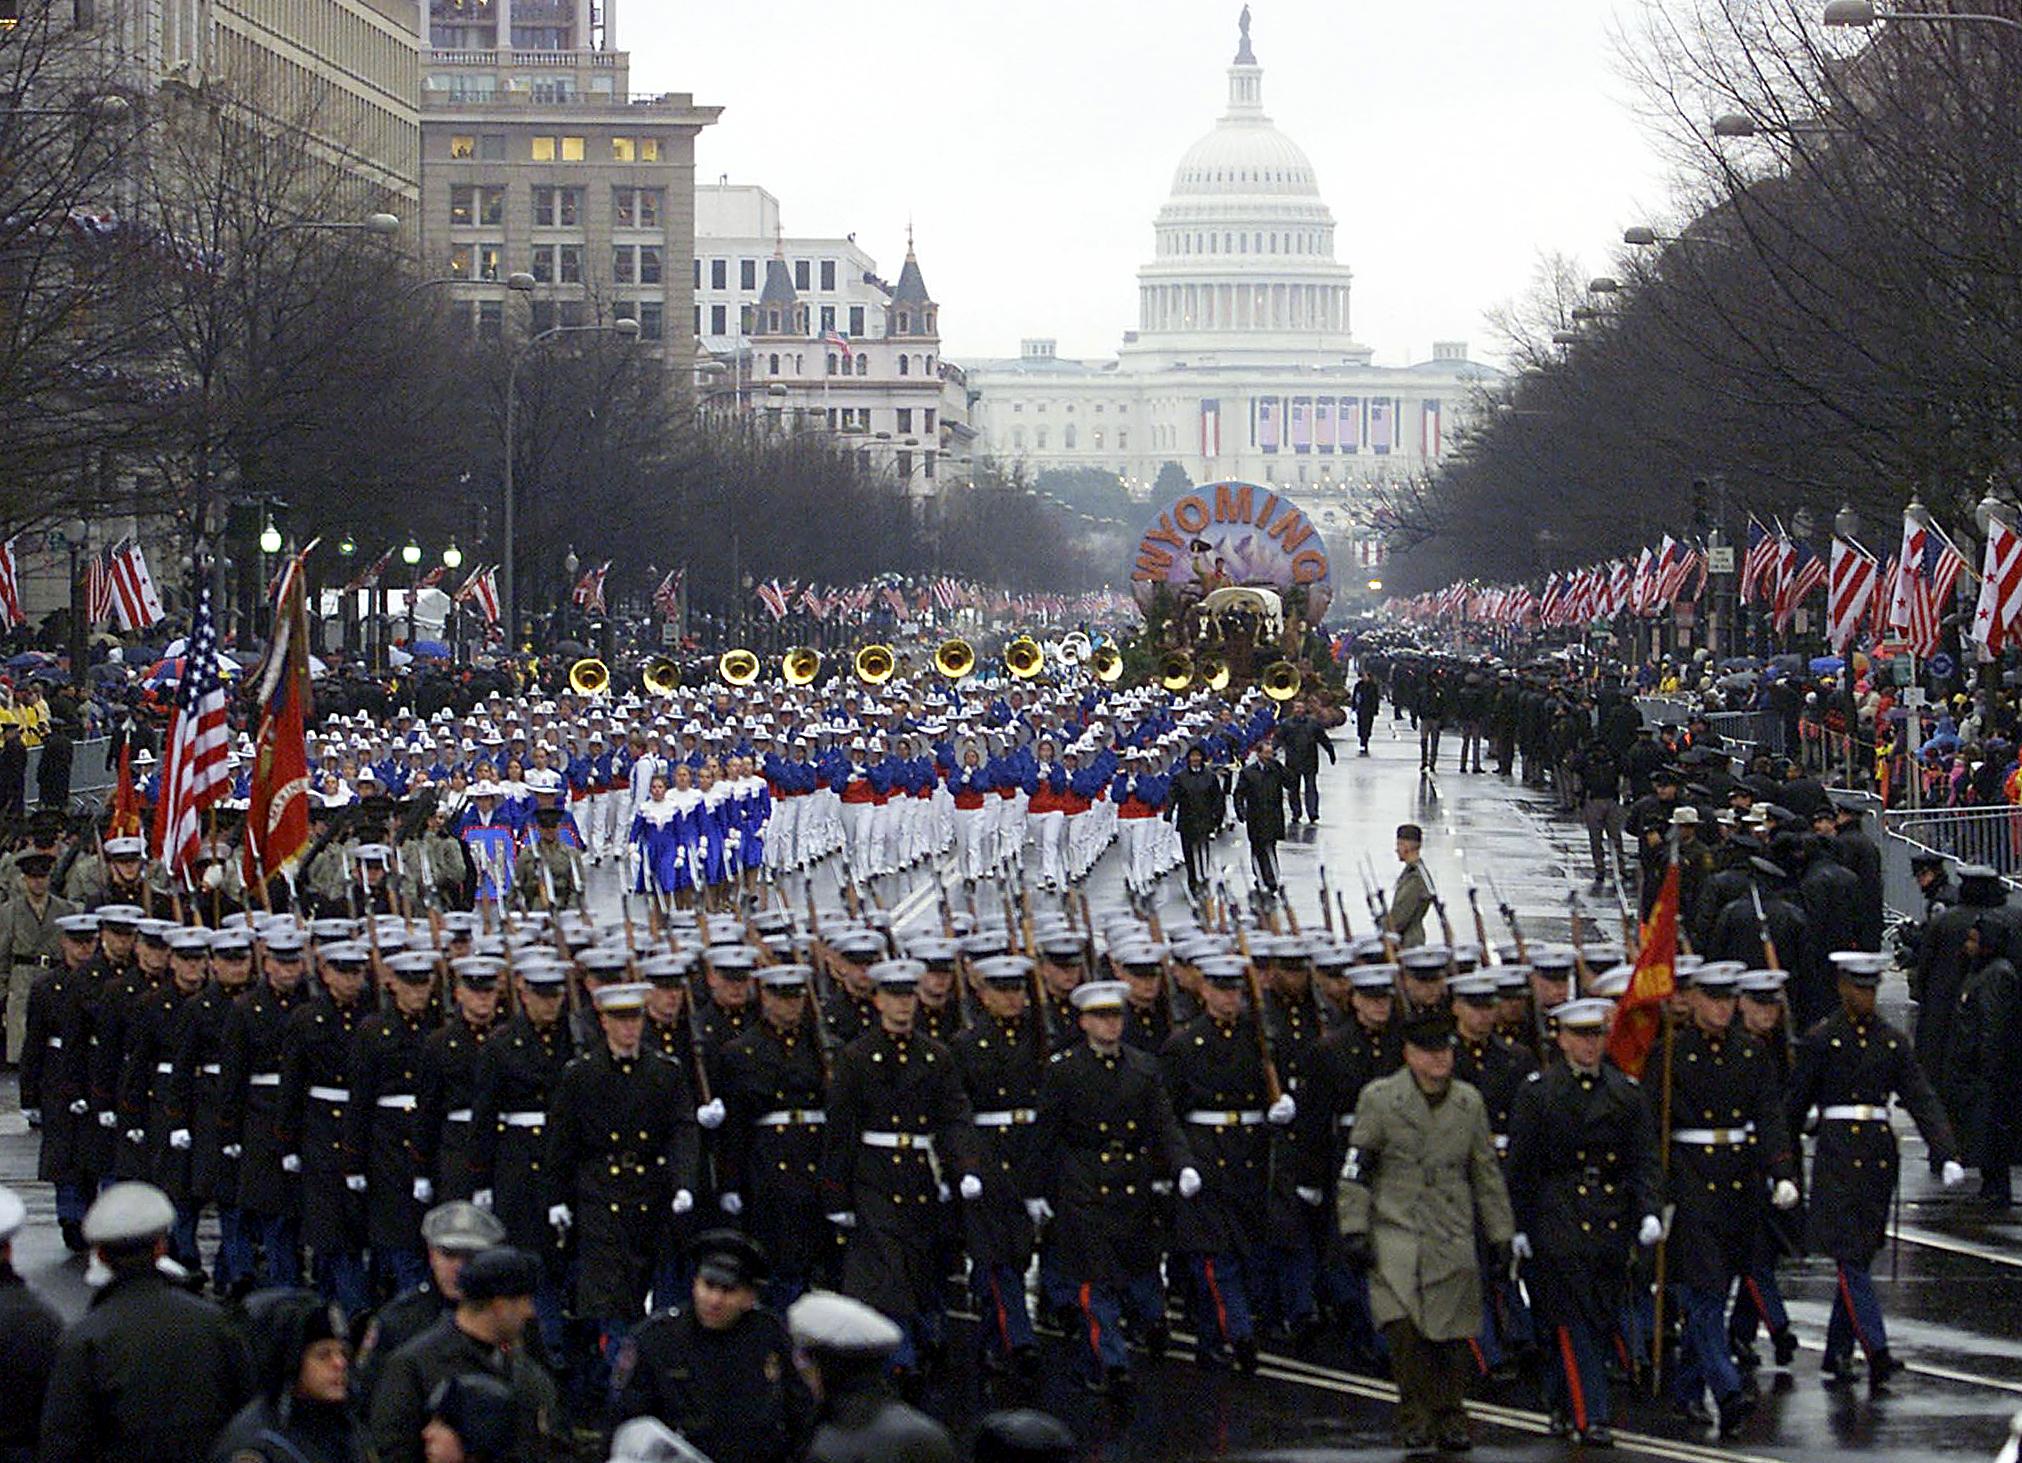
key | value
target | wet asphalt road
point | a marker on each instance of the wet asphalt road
(1952, 1289)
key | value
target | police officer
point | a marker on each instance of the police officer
(621, 1158)
(1582, 1203)
(1850, 1067)
(150, 1372)
(720, 1369)
(772, 1083)
(451, 1232)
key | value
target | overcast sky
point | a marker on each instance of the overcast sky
(1031, 142)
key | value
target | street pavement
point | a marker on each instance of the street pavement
(1952, 1284)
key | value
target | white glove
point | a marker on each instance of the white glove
(232, 1150)
(1784, 1195)
(1189, 1182)
(972, 1187)
(1312, 1197)
(559, 1216)
(424, 1191)
(1282, 1111)
(683, 1201)
(710, 1114)
(1520, 1246)
(481, 1198)
(732, 1203)
(1952, 1175)
(136, 1136)
(842, 1219)
(34, 1116)
(214, 877)
(355, 1182)
(108, 1120)
(1651, 1230)
(1038, 1210)
(79, 1107)
(943, 1192)
(1811, 1120)
(179, 1139)
(291, 1163)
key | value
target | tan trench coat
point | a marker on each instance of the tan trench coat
(1421, 1181)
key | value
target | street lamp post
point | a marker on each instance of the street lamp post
(1863, 13)
(452, 560)
(626, 328)
(410, 555)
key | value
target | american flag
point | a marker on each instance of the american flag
(10, 587)
(1881, 600)
(775, 597)
(432, 578)
(2000, 589)
(481, 589)
(368, 577)
(195, 767)
(1851, 589)
(1930, 568)
(1803, 571)
(840, 341)
(98, 588)
(667, 598)
(1758, 564)
(589, 590)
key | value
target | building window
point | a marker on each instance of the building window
(927, 420)
(637, 208)
(649, 264)
(927, 465)
(652, 318)
(930, 365)
(827, 317)
(540, 316)
(698, 274)
(473, 205)
(570, 312)
(1017, 439)
(490, 319)
(856, 321)
(698, 319)
(905, 323)
(828, 274)
(491, 147)
(621, 150)
(800, 274)
(863, 365)
(772, 364)
(717, 324)
(717, 269)
(905, 419)
(1067, 439)
(1098, 439)
(544, 149)
(1122, 441)
(621, 264)
(747, 316)
(903, 365)
(831, 363)
(572, 149)
(905, 467)
(1039, 438)
(462, 148)
(543, 262)
(747, 274)
(569, 263)
(1017, 406)
(558, 208)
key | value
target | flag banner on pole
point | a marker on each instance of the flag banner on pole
(196, 751)
(10, 587)
(277, 815)
(1639, 1015)
(589, 591)
(2000, 589)
(1802, 572)
(134, 602)
(1757, 562)
(368, 577)
(98, 588)
(667, 598)
(1849, 594)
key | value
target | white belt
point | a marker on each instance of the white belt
(457, 1115)
(1502, 1142)
(1346, 1120)
(330, 1094)
(398, 1101)
(1007, 1118)
(1713, 1137)
(264, 1079)
(1858, 1112)
(55, 1043)
(787, 1117)
(1248, 1117)
(922, 1141)
(524, 1119)
(164, 1069)
(212, 1069)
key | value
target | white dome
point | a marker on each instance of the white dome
(1245, 156)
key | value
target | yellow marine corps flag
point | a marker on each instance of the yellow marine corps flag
(1639, 1015)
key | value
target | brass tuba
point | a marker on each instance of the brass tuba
(1215, 673)
(738, 667)
(661, 677)
(1106, 663)
(800, 665)
(1175, 670)
(1023, 658)
(589, 677)
(1281, 680)
(874, 664)
(1073, 649)
(955, 658)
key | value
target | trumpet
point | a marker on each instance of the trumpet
(800, 665)
(1023, 658)
(589, 677)
(661, 677)
(874, 664)
(1281, 680)
(1106, 662)
(955, 658)
(1175, 670)
(738, 667)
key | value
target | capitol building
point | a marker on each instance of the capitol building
(1244, 364)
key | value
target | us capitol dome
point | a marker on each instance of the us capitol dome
(1243, 363)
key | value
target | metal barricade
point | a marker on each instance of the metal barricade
(1755, 728)
(1985, 835)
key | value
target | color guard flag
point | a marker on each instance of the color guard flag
(10, 587)
(1849, 593)
(2000, 588)
(196, 769)
(277, 815)
(134, 601)
(1639, 1015)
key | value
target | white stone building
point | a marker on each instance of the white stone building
(1243, 364)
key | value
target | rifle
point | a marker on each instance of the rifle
(1629, 940)
(1379, 910)
(1439, 905)
(1042, 1009)
(1582, 972)
(1326, 903)
(1291, 914)
(1341, 901)
(1508, 913)
(1769, 959)
(1273, 1089)
(1480, 924)
(947, 909)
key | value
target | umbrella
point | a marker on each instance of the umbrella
(433, 649)
(1822, 665)
(31, 660)
(1740, 663)
(1738, 681)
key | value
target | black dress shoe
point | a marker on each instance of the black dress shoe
(1785, 1344)
(1560, 1425)
(1415, 1442)
(1734, 1410)
(1120, 1379)
(1600, 1435)
(1025, 1361)
(1694, 1412)
(1456, 1441)
(1837, 1369)
(73, 1235)
(1157, 1336)
(1881, 1367)
(1246, 1354)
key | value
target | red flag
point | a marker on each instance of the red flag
(277, 816)
(125, 800)
(1639, 1015)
